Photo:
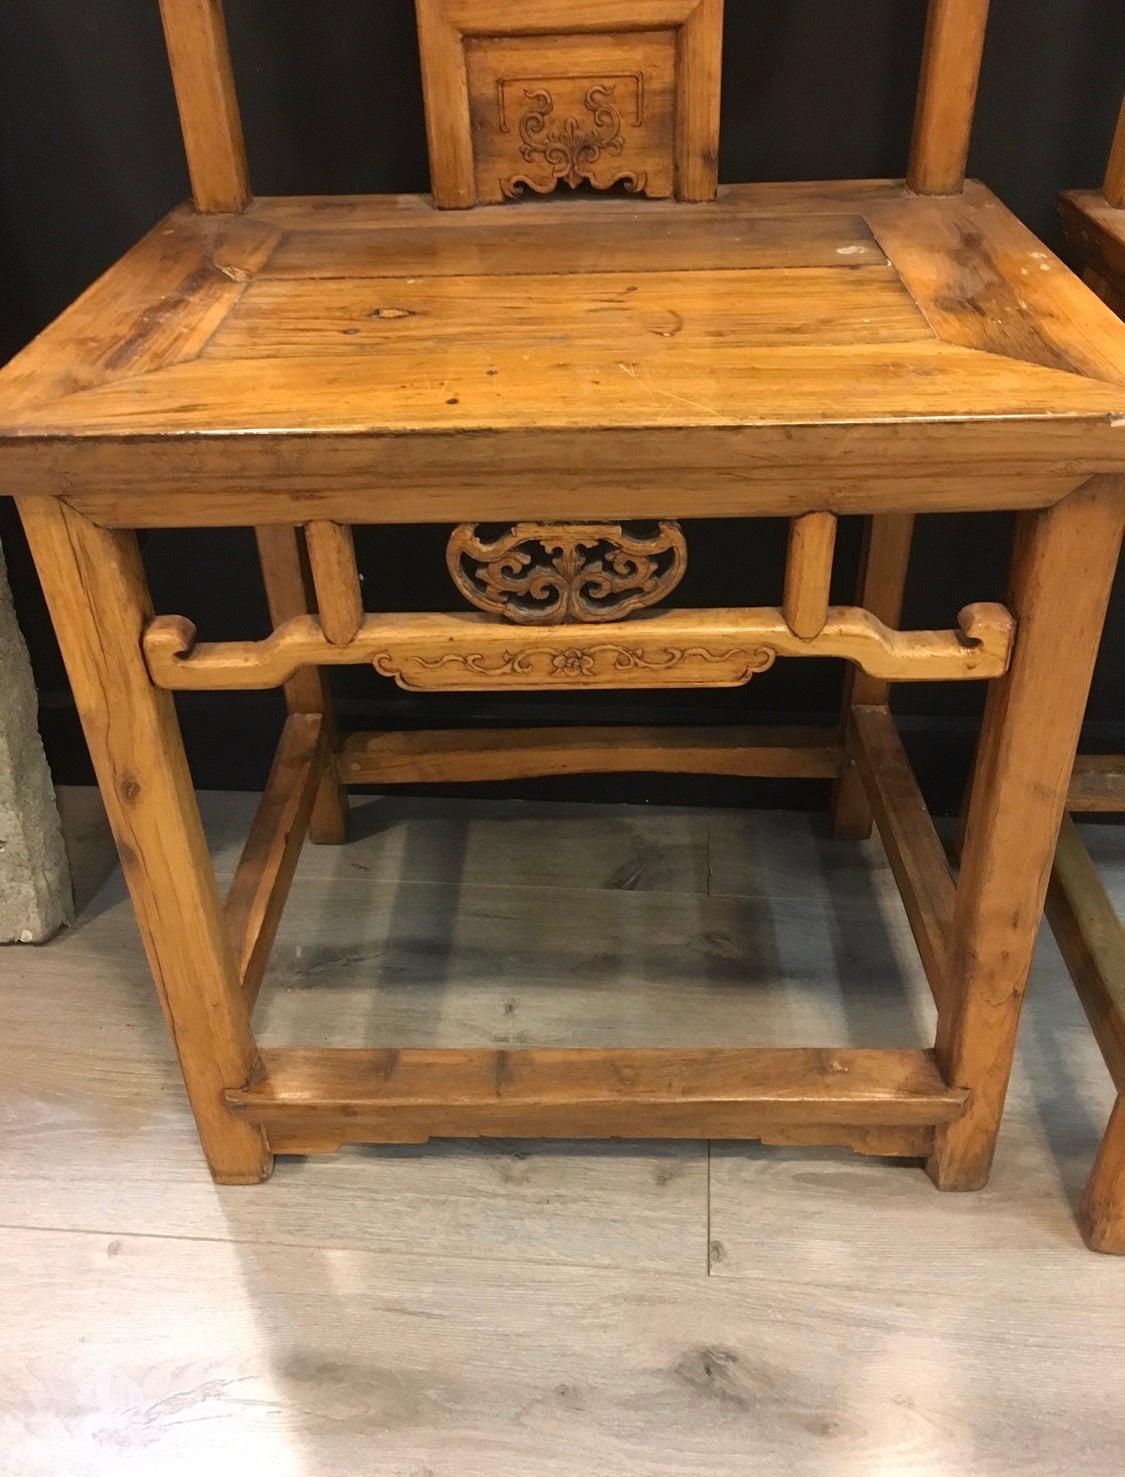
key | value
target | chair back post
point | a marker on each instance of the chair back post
(947, 93)
(1115, 173)
(196, 36)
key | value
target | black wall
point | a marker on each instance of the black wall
(90, 158)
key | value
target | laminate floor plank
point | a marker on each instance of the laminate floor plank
(180, 1356)
(470, 1310)
(504, 842)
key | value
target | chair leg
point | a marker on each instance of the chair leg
(1103, 1212)
(288, 582)
(1062, 571)
(886, 554)
(96, 590)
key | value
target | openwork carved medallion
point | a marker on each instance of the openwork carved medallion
(549, 574)
(569, 147)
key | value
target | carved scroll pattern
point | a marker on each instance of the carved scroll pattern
(598, 663)
(571, 148)
(549, 574)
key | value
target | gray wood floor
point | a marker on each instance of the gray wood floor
(470, 1310)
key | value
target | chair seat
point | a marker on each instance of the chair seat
(779, 308)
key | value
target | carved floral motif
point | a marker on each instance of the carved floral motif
(570, 148)
(548, 574)
(596, 664)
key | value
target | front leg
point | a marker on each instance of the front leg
(96, 590)
(1062, 572)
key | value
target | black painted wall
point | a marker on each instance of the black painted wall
(90, 158)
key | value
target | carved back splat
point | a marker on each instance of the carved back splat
(527, 93)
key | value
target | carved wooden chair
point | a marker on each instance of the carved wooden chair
(1085, 924)
(561, 381)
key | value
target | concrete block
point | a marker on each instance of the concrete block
(35, 895)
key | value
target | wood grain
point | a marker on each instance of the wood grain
(336, 579)
(196, 36)
(740, 232)
(1097, 784)
(621, 1361)
(530, 96)
(435, 756)
(96, 592)
(884, 560)
(808, 573)
(912, 844)
(984, 281)
(1103, 1209)
(314, 1100)
(677, 648)
(289, 593)
(356, 316)
(1062, 571)
(261, 882)
(1089, 934)
(986, 376)
(943, 122)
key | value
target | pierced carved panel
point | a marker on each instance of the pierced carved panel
(551, 574)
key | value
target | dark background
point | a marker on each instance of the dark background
(90, 158)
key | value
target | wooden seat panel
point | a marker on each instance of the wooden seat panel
(774, 307)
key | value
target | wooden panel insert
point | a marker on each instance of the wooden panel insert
(550, 111)
(543, 95)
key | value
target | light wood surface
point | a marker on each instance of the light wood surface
(1085, 923)
(943, 123)
(1103, 1209)
(884, 560)
(260, 887)
(1062, 573)
(1092, 942)
(289, 592)
(98, 598)
(681, 648)
(313, 1100)
(196, 36)
(907, 832)
(1008, 366)
(533, 96)
(336, 578)
(650, 1310)
(808, 573)
(1088, 931)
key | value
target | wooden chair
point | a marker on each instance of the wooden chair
(560, 381)
(1084, 922)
